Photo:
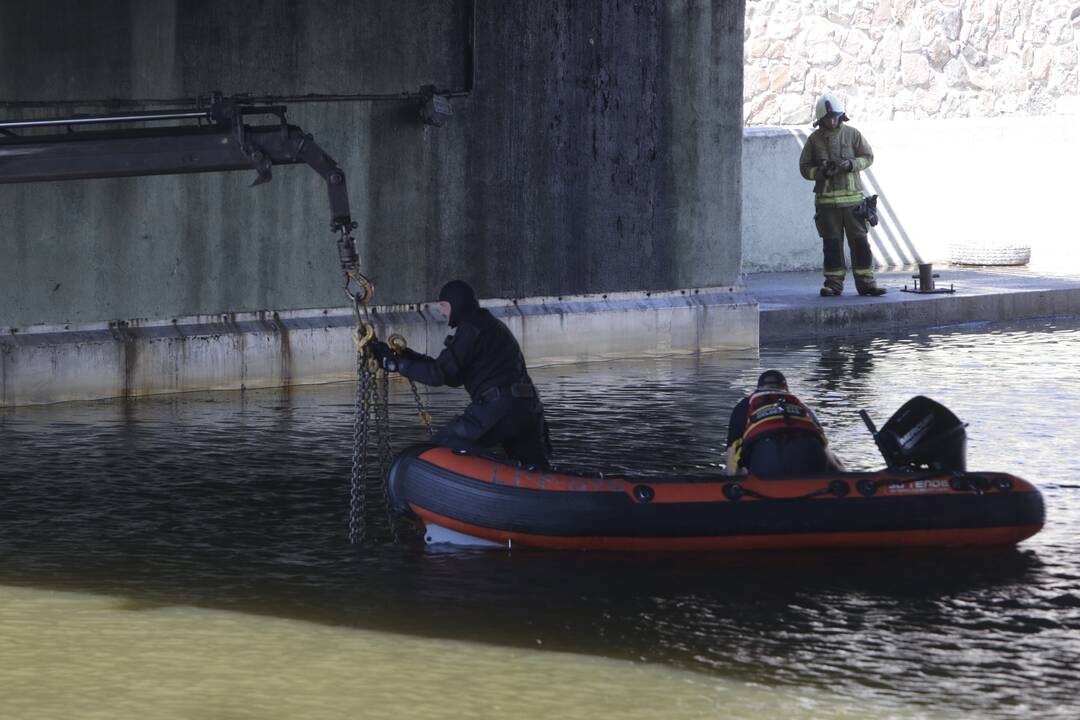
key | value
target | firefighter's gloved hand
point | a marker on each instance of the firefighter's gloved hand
(385, 356)
(833, 167)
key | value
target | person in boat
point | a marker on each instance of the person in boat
(484, 356)
(773, 433)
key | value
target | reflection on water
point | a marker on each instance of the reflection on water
(185, 557)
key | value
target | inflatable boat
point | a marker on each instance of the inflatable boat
(924, 497)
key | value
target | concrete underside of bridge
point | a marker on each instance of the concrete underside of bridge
(588, 184)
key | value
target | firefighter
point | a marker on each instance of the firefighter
(772, 433)
(484, 356)
(832, 158)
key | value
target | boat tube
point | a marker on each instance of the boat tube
(924, 498)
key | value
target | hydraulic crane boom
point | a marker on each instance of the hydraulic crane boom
(221, 142)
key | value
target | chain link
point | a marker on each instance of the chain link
(382, 410)
(425, 416)
(357, 500)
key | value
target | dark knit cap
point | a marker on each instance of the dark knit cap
(772, 379)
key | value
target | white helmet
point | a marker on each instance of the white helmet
(828, 104)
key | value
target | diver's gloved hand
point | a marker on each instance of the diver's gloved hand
(385, 356)
(845, 166)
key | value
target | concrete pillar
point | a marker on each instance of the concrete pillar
(597, 155)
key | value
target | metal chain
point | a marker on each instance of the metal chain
(397, 342)
(373, 453)
(382, 411)
(372, 408)
(357, 505)
(425, 416)
(371, 405)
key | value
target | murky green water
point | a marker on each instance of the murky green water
(184, 557)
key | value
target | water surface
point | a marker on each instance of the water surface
(185, 557)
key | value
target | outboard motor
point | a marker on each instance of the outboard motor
(922, 434)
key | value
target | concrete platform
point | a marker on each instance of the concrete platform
(790, 306)
(136, 357)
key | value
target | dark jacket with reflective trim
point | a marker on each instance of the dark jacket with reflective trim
(842, 143)
(482, 354)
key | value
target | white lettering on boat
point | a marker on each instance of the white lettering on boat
(918, 486)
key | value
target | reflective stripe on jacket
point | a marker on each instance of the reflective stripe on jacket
(842, 143)
(773, 411)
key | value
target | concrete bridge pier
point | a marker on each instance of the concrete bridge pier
(588, 184)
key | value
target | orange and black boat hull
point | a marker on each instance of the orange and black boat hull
(502, 503)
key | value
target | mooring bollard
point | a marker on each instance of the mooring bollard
(924, 281)
(926, 276)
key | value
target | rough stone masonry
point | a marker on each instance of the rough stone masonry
(910, 59)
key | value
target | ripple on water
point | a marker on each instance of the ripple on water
(203, 519)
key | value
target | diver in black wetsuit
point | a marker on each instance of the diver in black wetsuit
(484, 356)
(772, 433)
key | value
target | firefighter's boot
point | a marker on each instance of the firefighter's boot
(866, 284)
(834, 285)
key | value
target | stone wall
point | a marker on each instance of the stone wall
(910, 59)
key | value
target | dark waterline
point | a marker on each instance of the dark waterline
(238, 501)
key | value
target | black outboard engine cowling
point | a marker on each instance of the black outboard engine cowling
(924, 433)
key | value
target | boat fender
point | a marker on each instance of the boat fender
(839, 488)
(733, 491)
(643, 493)
(866, 487)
